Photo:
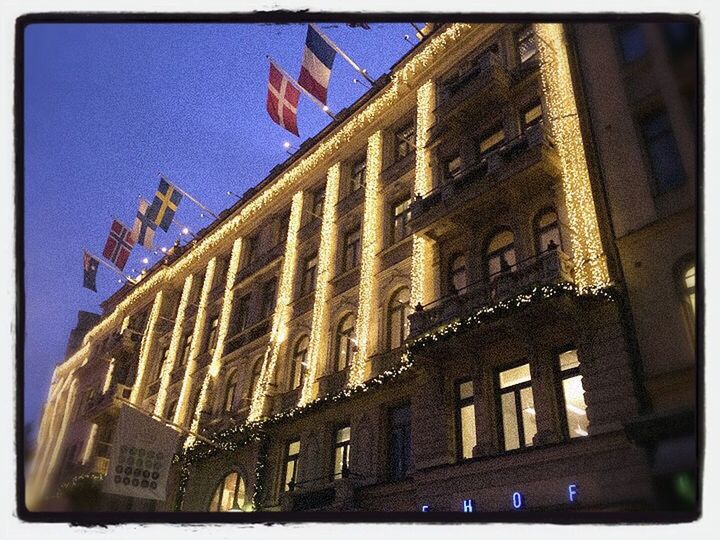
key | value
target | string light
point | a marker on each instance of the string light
(325, 269)
(108, 375)
(148, 340)
(368, 267)
(89, 443)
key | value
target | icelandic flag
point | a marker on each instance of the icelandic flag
(119, 244)
(316, 66)
(282, 99)
(144, 227)
(90, 266)
(166, 201)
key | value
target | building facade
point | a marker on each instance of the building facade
(447, 300)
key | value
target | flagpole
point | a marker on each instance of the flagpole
(342, 53)
(323, 108)
(110, 266)
(193, 199)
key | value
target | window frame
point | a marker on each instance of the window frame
(269, 302)
(291, 459)
(349, 347)
(453, 272)
(219, 489)
(357, 173)
(489, 255)
(351, 248)
(406, 437)
(344, 448)
(539, 230)
(187, 349)
(399, 233)
(559, 376)
(391, 310)
(519, 40)
(306, 287)
(231, 384)
(659, 184)
(404, 140)
(211, 334)
(297, 360)
(460, 404)
(516, 388)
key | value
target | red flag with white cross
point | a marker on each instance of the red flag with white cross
(282, 99)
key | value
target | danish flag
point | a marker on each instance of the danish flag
(119, 244)
(282, 100)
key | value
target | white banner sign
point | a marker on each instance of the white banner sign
(140, 457)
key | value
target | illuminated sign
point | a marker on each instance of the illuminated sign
(518, 501)
(572, 492)
(425, 508)
(468, 505)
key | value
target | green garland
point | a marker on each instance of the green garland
(235, 437)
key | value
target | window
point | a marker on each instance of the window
(357, 175)
(229, 495)
(492, 139)
(230, 390)
(170, 414)
(249, 250)
(458, 274)
(451, 167)
(268, 297)
(532, 115)
(467, 436)
(404, 141)
(318, 201)
(342, 453)
(573, 395)
(400, 444)
(282, 228)
(526, 44)
(308, 276)
(211, 334)
(500, 254)
(518, 407)
(351, 249)
(345, 342)
(186, 349)
(240, 315)
(401, 216)
(547, 231)
(297, 366)
(632, 42)
(292, 453)
(255, 377)
(161, 362)
(662, 151)
(687, 290)
(221, 268)
(397, 317)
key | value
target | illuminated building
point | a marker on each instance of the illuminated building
(437, 281)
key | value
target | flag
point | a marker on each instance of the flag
(140, 456)
(144, 227)
(166, 201)
(90, 266)
(119, 244)
(316, 66)
(282, 100)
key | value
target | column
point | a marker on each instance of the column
(146, 346)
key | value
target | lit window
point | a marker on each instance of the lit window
(268, 297)
(465, 397)
(451, 167)
(351, 250)
(458, 274)
(400, 446)
(632, 42)
(404, 141)
(345, 342)
(397, 318)
(500, 253)
(240, 315)
(662, 151)
(532, 115)
(688, 287)
(573, 395)
(526, 44)
(297, 367)
(211, 332)
(491, 141)
(357, 174)
(230, 390)
(308, 276)
(229, 494)
(186, 349)
(292, 453)
(342, 453)
(518, 407)
(547, 231)
(401, 216)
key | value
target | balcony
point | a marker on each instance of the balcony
(526, 165)
(105, 405)
(247, 335)
(547, 268)
(332, 382)
(260, 262)
(286, 400)
(385, 361)
(122, 344)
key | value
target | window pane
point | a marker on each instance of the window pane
(466, 390)
(547, 236)
(690, 277)
(575, 406)
(526, 44)
(294, 448)
(533, 115)
(493, 140)
(467, 430)
(338, 462)
(228, 493)
(343, 434)
(515, 376)
(510, 426)
(569, 360)
(528, 412)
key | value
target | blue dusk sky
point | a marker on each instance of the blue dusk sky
(109, 106)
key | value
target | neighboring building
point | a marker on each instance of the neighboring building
(462, 293)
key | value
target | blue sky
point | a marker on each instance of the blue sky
(109, 106)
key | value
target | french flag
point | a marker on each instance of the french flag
(316, 66)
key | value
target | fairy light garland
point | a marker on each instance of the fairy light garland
(589, 260)
(90, 443)
(146, 346)
(175, 338)
(186, 390)
(108, 375)
(225, 315)
(279, 329)
(368, 258)
(325, 269)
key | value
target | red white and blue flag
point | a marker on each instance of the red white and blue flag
(317, 65)
(144, 227)
(119, 244)
(282, 99)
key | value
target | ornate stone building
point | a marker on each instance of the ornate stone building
(473, 289)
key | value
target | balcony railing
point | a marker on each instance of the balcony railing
(246, 336)
(260, 262)
(552, 266)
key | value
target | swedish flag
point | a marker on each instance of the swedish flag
(162, 210)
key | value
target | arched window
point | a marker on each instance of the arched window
(229, 495)
(500, 253)
(547, 231)
(397, 322)
(344, 342)
(255, 378)
(457, 275)
(297, 367)
(230, 390)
